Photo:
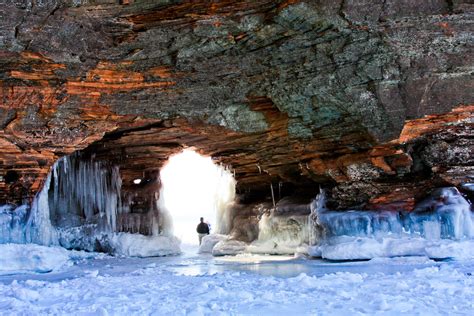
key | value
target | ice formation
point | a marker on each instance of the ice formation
(446, 214)
(80, 207)
(89, 212)
(224, 197)
(439, 227)
(28, 225)
(209, 241)
(137, 245)
(280, 234)
(436, 224)
(84, 192)
(229, 247)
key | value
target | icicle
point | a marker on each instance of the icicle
(273, 195)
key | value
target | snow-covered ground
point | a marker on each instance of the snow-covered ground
(194, 284)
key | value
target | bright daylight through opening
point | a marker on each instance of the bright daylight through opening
(194, 187)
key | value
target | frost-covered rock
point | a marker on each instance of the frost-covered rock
(209, 241)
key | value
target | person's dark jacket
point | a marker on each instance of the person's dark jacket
(202, 228)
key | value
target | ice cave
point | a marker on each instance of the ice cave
(328, 146)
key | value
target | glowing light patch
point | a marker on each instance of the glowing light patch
(194, 187)
(137, 181)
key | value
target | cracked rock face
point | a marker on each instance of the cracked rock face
(372, 99)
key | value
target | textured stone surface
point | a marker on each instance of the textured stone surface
(292, 92)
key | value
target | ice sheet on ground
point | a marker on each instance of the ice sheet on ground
(439, 289)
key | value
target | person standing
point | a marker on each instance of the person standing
(202, 229)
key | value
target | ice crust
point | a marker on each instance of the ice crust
(359, 248)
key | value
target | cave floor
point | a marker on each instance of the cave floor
(193, 284)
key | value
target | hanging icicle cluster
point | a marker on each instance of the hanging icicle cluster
(83, 192)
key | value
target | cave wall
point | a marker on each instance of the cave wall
(371, 99)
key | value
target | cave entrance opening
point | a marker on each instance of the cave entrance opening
(193, 187)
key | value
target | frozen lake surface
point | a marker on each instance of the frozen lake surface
(193, 284)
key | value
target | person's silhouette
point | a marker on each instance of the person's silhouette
(202, 229)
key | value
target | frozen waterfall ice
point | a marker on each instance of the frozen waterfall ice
(80, 207)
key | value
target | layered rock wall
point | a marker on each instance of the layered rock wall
(372, 99)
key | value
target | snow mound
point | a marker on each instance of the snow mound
(209, 241)
(136, 245)
(32, 258)
(229, 247)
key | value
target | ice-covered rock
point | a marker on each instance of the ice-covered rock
(359, 248)
(229, 247)
(438, 223)
(29, 225)
(136, 245)
(209, 241)
(444, 214)
(280, 234)
(16, 258)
